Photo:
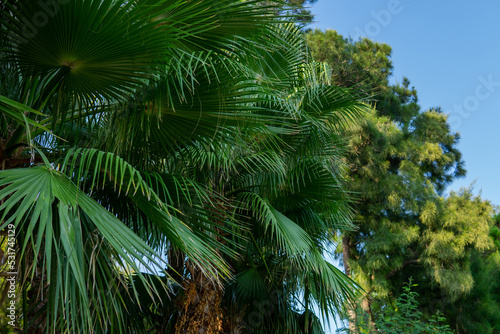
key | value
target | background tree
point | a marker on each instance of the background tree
(296, 9)
(404, 317)
(303, 14)
(364, 64)
(479, 310)
(401, 160)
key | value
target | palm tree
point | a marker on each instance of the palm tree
(167, 165)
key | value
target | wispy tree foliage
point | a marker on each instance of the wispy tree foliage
(401, 160)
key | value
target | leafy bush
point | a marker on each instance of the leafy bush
(406, 317)
(402, 318)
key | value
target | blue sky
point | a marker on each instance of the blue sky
(450, 51)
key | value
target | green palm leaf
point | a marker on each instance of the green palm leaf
(105, 50)
(107, 171)
(288, 235)
(18, 113)
(28, 197)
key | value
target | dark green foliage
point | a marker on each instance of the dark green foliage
(297, 10)
(364, 64)
(301, 10)
(404, 317)
(478, 312)
(171, 166)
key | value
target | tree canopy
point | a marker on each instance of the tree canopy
(401, 159)
(170, 166)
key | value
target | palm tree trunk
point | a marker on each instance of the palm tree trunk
(201, 306)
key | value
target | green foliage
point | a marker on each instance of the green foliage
(479, 310)
(296, 9)
(406, 317)
(453, 227)
(403, 317)
(363, 64)
(303, 15)
(400, 162)
(495, 231)
(171, 166)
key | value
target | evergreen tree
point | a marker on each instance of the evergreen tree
(478, 312)
(401, 160)
(300, 9)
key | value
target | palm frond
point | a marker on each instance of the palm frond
(106, 170)
(43, 200)
(19, 113)
(289, 236)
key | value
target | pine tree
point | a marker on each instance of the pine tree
(401, 160)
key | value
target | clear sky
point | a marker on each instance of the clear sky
(450, 51)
